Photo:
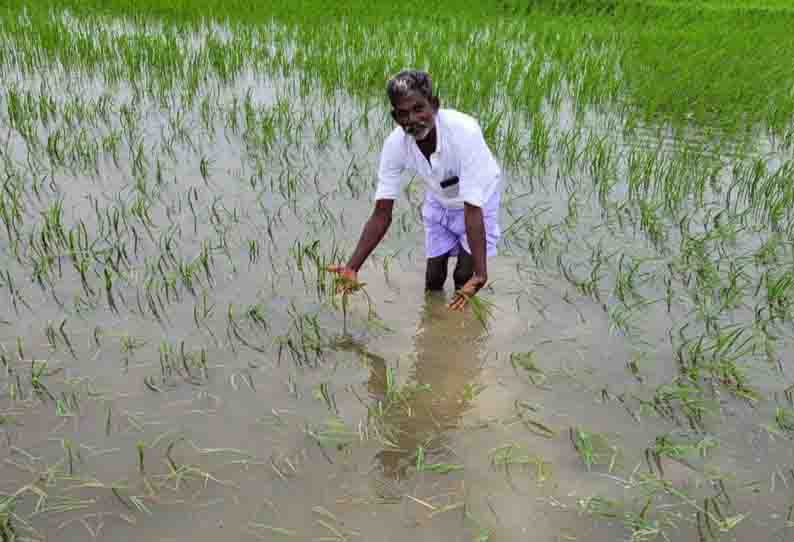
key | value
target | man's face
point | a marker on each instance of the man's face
(415, 114)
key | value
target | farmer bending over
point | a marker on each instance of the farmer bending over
(461, 207)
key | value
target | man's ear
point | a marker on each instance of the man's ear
(434, 102)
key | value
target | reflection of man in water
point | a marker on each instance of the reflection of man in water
(448, 358)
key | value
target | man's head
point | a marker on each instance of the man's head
(414, 106)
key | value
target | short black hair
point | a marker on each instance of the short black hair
(410, 81)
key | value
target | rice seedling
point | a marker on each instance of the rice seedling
(254, 528)
(642, 527)
(533, 425)
(481, 308)
(333, 433)
(512, 455)
(783, 418)
(595, 448)
(440, 468)
(348, 287)
(526, 362)
(483, 534)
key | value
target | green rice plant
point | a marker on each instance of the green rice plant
(681, 397)
(333, 433)
(328, 396)
(526, 362)
(67, 446)
(768, 253)
(482, 309)
(513, 455)
(679, 449)
(140, 446)
(587, 287)
(540, 140)
(204, 167)
(710, 520)
(129, 344)
(38, 370)
(642, 527)
(536, 427)
(330, 522)
(348, 287)
(397, 400)
(471, 390)
(595, 448)
(784, 418)
(651, 224)
(7, 531)
(482, 534)
(439, 468)
(778, 297)
(234, 329)
(600, 506)
(272, 530)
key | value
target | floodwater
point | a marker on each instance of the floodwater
(181, 417)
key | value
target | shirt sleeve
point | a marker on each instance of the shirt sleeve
(475, 168)
(392, 164)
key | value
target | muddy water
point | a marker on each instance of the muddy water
(417, 424)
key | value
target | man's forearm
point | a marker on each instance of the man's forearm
(475, 233)
(373, 232)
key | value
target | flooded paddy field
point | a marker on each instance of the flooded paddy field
(175, 361)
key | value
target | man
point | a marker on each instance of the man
(461, 207)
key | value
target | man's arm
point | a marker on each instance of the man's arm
(475, 233)
(374, 230)
(376, 227)
(476, 167)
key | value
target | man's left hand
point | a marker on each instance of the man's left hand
(469, 289)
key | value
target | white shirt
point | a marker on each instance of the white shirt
(460, 151)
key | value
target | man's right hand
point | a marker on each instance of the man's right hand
(347, 279)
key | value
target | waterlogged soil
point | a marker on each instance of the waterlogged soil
(232, 396)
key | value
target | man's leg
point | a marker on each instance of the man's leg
(464, 268)
(436, 274)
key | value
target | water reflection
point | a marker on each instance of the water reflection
(448, 348)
